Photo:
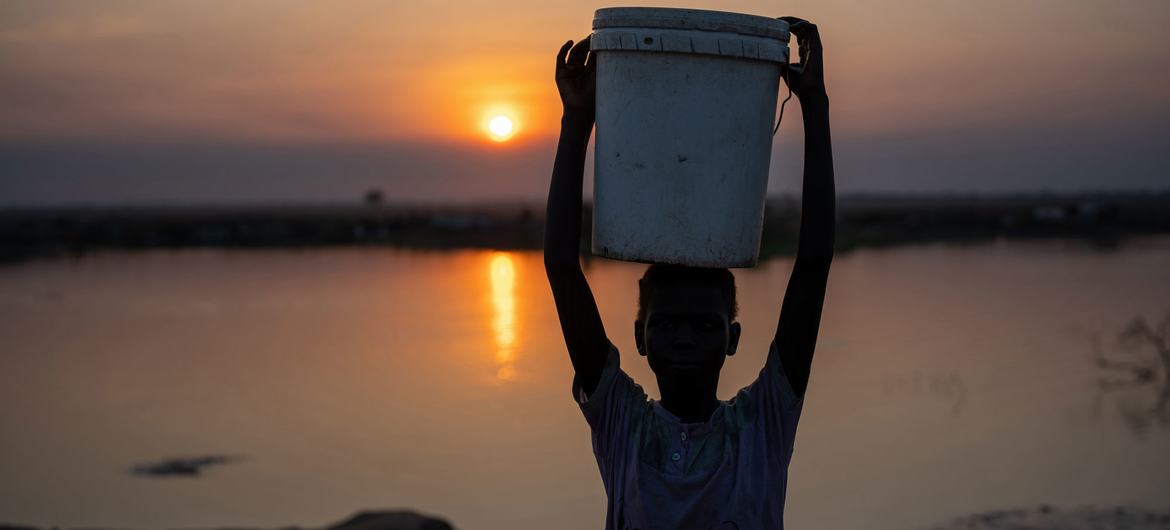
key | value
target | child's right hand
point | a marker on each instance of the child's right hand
(576, 76)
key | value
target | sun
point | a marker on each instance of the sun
(501, 128)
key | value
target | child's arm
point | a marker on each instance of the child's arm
(800, 313)
(580, 321)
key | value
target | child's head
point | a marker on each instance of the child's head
(686, 320)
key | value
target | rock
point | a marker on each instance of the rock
(394, 520)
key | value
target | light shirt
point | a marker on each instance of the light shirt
(729, 472)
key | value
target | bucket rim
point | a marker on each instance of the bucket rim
(690, 19)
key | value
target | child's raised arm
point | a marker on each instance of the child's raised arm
(580, 322)
(800, 313)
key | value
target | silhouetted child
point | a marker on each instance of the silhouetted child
(690, 460)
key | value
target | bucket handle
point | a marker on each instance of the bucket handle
(798, 69)
(782, 103)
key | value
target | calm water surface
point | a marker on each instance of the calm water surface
(948, 380)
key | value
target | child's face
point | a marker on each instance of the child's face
(687, 332)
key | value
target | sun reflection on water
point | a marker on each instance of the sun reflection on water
(503, 280)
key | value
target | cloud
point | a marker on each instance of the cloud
(209, 172)
(216, 172)
(182, 466)
(77, 31)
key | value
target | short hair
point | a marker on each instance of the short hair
(661, 273)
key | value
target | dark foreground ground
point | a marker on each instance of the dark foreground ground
(1103, 219)
(1035, 518)
(370, 520)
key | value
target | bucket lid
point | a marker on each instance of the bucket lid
(690, 19)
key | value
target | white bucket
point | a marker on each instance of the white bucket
(685, 106)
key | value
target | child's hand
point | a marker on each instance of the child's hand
(808, 77)
(576, 76)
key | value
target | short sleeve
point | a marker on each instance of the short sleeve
(771, 402)
(615, 404)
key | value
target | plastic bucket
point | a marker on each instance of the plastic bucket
(685, 106)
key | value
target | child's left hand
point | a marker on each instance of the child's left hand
(808, 77)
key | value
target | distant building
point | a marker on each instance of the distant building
(374, 197)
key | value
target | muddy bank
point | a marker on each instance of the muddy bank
(1045, 517)
(1041, 517)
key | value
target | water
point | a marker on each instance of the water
(947, 380)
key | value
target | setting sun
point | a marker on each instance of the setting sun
(500, 128)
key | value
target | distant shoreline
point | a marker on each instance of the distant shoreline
(1103, 219)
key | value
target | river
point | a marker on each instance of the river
(947, 380)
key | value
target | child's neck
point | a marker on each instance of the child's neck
(689, 402)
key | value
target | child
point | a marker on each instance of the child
(690, 460)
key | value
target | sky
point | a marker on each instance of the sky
(283, 101)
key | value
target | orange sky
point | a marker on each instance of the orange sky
(375, 69)
(292, 71)
(284, 70)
